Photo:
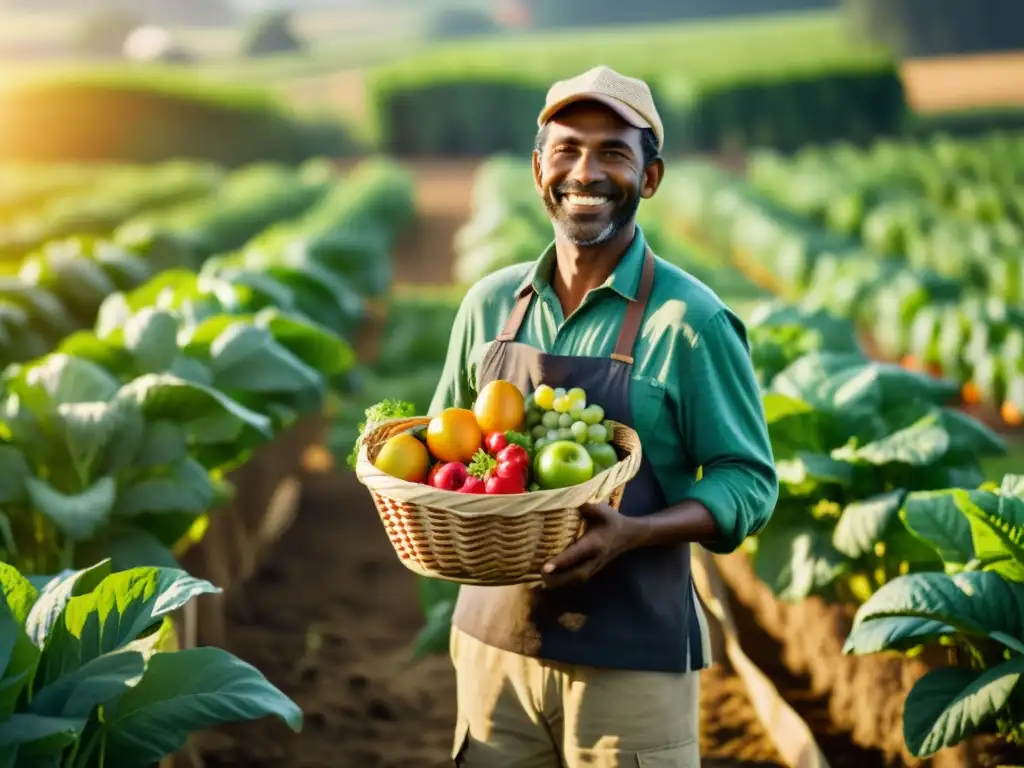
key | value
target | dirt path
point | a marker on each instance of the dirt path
(332, 619)
(960, 82)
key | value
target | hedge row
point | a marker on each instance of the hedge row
(117, 116)
(778, 83)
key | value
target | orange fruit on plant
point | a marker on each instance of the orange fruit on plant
(500, 407)
(405, 457)
(454, 435)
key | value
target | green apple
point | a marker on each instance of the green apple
(562, 464)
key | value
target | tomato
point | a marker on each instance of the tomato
(500, 407)
(454, 435)
(404, 456)
(495, 442)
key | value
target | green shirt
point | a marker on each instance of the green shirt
(694, 395)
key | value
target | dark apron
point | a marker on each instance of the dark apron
(638, 612)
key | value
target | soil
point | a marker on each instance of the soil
(331, 616)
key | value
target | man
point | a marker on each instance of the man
(600, 665)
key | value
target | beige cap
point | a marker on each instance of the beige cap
(629, 97)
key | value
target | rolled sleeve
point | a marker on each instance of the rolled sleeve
(725, 433)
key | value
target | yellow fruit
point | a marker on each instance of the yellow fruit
(454, 435)
(499, 407)
(405, 457)
(544, 397)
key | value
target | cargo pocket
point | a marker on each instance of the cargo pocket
(460, 741)
(684, 755)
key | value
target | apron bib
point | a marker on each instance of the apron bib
(637, 613)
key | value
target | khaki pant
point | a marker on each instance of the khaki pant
(518, 712)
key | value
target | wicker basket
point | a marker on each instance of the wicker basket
(478, 539)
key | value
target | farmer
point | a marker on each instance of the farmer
(600, 666)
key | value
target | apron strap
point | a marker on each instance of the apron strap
(515, 317)
(635, 312)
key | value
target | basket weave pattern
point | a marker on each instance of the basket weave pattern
(479, 539)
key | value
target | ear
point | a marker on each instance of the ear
(653, 175)
(538, 173)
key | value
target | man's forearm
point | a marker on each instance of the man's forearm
(688, 521)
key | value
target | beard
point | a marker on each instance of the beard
(587, 231)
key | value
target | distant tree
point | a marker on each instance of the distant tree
(574, 13)
(270, 33)
(939, 27)
(447, 23)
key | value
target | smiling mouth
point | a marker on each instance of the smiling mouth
(585, 203)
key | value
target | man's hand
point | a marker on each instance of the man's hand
(608, 535)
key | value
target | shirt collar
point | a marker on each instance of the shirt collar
(624, 279)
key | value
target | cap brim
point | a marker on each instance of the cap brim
(624, 111)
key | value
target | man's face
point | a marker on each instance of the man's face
(591, 175)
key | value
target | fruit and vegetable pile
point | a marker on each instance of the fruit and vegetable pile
(507, 443)
(162, 367)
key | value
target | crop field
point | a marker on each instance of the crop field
(196, 327)
(206, 310)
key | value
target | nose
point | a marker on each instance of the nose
(587, 168)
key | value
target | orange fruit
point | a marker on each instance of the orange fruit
(500, 407)
(454, 435)
(405, 457)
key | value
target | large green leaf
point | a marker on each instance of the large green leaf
(18, 654)
(98, 682)
(921, 444)
(151, 336)
(247, 358)
(79, 516)
(54, 596)
(977, 603)
(87, 429)
(39, 734)
(163, 396)
(899, 633)
(117, 612)
(998, 540)
(187, 691)
(132, 546)
(123, 447)
(863, 524)
(65, 379)
(14, 470)
(948, 705)
(935, 518)
(806, 472)
(186, 487)
(164, 442)
(86, 345)
(311, 342)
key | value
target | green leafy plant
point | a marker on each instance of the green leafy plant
(975, 607)
(851, 439)
(88, 681)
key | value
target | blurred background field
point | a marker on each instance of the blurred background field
(847, 174)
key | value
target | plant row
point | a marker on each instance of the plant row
(908, 312)
(117, 447)
(779, 82)
(110, 114)
(138, 224)
(874, 463)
